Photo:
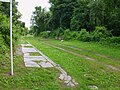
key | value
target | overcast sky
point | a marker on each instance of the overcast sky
(26, 7)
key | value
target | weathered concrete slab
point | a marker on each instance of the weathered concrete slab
(31, 64)
(61, 77)
(74, 82)
(25, 50)
(45, 64)
(35, 58)
(93, 87)
(23, 45)
(26, 54)
(68, 79)
(70, 84)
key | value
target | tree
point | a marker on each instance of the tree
(5, 23)
(62, 11)
(78, 14)
(40, 20)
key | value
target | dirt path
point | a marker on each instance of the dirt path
(98, 54)
(82, 56)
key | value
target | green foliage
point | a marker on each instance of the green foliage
(84, 36)
(74, 35)
(115, 40)
(67, 34)
(4, 28)
(78, 14)
(1, 39)
(58, 33)
(5, 25)
(100, 19)
(112, 41)
(62, 11)
(75, 24)
(40, 21)
(1, 43)
(100, 33)
(44, 34)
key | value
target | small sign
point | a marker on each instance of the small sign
(5, 0)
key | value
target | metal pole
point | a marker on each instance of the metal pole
(11, 48)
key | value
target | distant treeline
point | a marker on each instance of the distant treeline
(84, 20)
(76, 15)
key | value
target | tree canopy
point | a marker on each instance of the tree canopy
(78, 14)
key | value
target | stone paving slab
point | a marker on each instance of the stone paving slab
(35, 58)
(45, 64)
(25, 50)
(68, 79)
(26, 54)
(71, 84)
(31, 64)
(61, 77)
(23, 45)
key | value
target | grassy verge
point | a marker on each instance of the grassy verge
(27, 78)
(85, 72)
(113, 52)
(98, 58)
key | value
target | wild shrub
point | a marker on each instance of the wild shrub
(1, 40)
(112, 41)
(100, 33)
(115, 40)
(67, 34)
(44, 34)
(4, 28)
(74, 35)
(5, 32)
(84, 36)
(2, 45)
(58, 33)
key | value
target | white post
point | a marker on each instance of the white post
(11, 47)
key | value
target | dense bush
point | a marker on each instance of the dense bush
(58, 33)
(2, 45)
(99, 33)
(44, 34)
(112, 41)
(67, 35)
(1, 40)
(4, 28)
(115, 40)
(84, 36)
(17, 26)
(74, 35)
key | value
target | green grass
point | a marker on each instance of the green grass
(28, 46)
(113, 52)
(93, 55)
(85, 72)
(27, 78)
(35, 54)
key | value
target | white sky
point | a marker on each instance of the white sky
(26, 7)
